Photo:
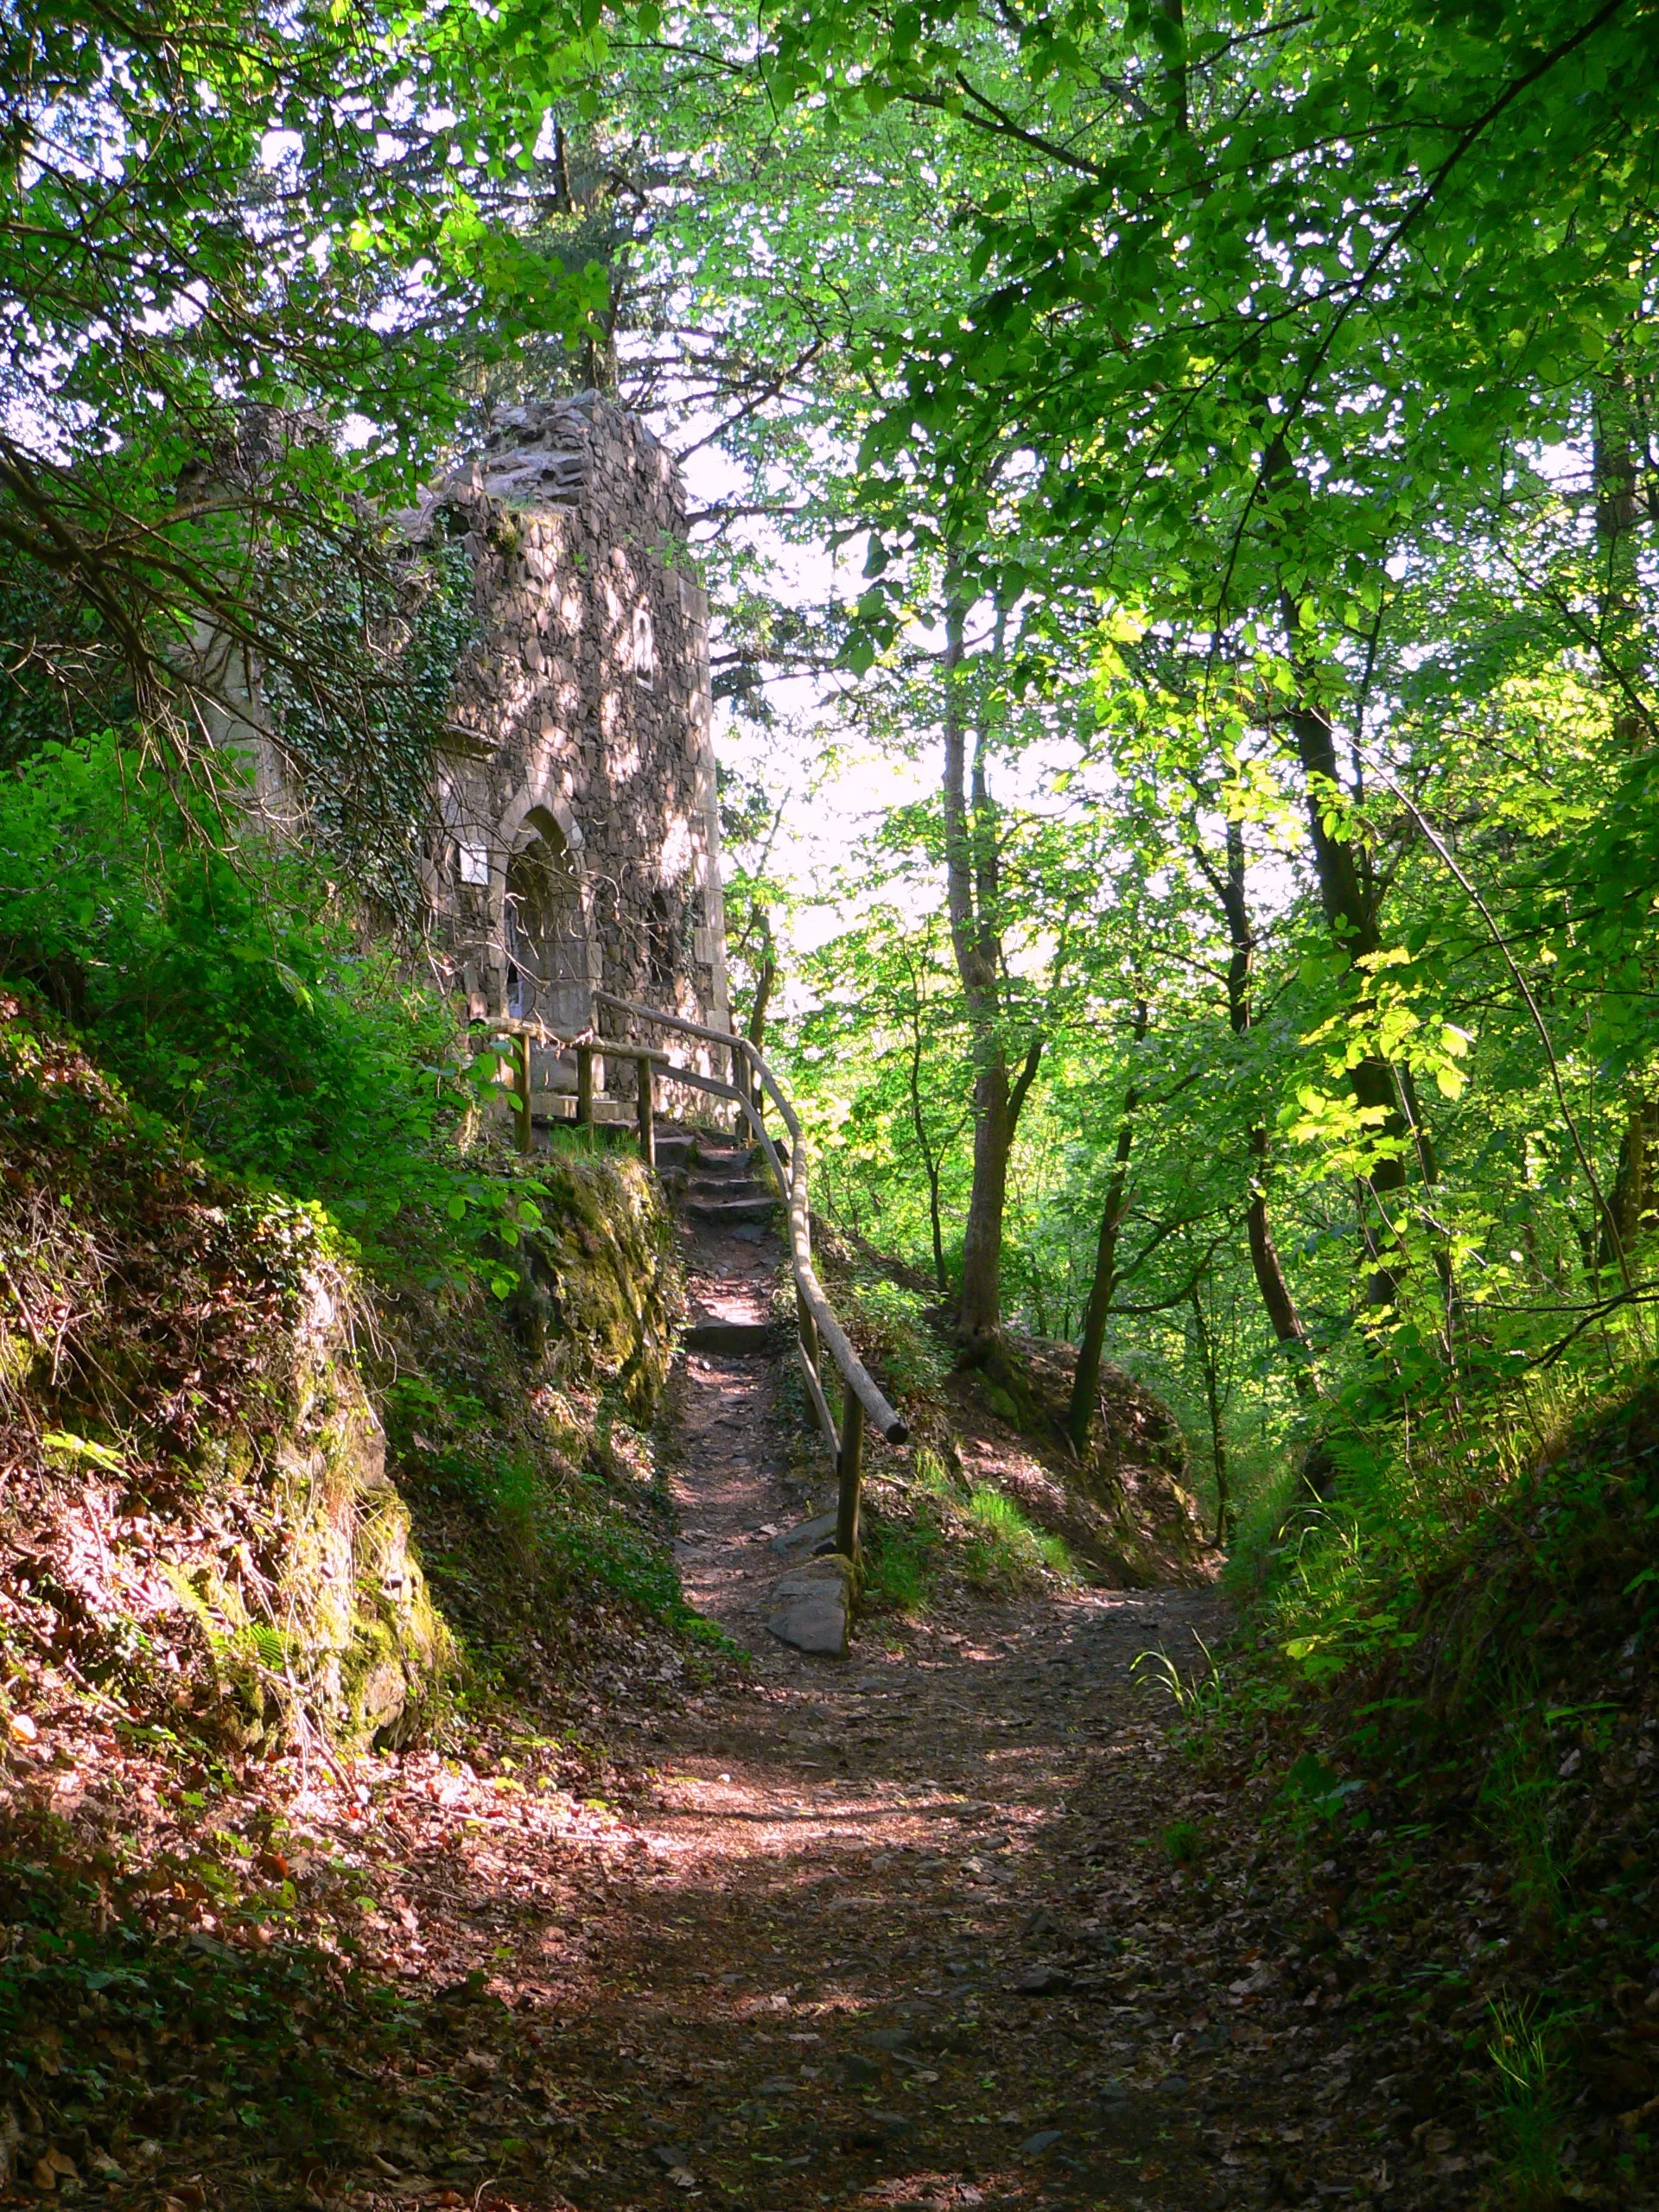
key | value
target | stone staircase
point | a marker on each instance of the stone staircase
(731, 1216)
(723, 1201)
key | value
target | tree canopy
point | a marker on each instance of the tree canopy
(1243, 423)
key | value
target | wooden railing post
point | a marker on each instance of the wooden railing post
(521, 1088)
(647, 1109)
(849, 1471)
(584, 1086)
(807, 1330)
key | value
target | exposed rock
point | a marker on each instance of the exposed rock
(211, 1341)
(813, 1606)
(813, 1537)
(1042, 1981)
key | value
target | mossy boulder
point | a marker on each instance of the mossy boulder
(198, 1480)
(599, 1302)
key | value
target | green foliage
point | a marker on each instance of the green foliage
(1004, 1552)
(360, 702)
(1520, 1800)
(1183, 1843)
(553, 1487)
(899, 1562)
(1526, 2106)
(210, 260)
(261, 2015)
(1200, 1697)
(223, 983)
(893, 1330)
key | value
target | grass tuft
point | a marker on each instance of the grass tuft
(1526, 2109)
(1005, 1552)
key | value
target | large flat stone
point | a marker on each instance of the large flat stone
(813, 1606)
(817, 1623)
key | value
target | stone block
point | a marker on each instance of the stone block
(813, 1606)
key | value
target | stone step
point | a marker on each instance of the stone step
(725, 1186)
(548, 1107)
(747, 1338)
(727, 1212)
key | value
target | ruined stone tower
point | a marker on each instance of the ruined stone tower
(577, 781)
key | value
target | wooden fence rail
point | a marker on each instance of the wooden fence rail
(751, 1082)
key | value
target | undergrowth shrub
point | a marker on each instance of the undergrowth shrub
(1525, 2106)
(973, 1528)
(894, 1334)
(221, 980)
(900, 1562)
(1005, 1552)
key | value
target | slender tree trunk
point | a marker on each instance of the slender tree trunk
(1212, 1398)
(1349, 910)
(1613, 467)
(1348, 900)
(918, 1123)
(1085, 1381)
(971, 874)
(1276, 1299)
(766, 976)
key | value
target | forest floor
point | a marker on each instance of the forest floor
(903, 1930)
(931, 1927)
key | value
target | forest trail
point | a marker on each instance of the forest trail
(865, 1945)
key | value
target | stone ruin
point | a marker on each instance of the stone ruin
(579, 846)
(576, 784)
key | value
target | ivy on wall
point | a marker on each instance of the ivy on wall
(359, 707)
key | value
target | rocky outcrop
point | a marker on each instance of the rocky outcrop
(598, 1299)
(196, 1519)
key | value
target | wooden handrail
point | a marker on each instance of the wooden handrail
(818, 1328)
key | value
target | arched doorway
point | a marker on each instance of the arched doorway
(544, 931)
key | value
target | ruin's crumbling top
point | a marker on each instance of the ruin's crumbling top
(566, 453)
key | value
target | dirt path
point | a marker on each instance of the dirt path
(865, 1955)
(902, 1931)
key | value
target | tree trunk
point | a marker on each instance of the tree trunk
(1085, 1381)
(980, 1316)
(766, 976)
(1613, 467)
(971, 881)
(1276, 1299)
(1348, 900)
(1631, 1203)
(918, 1123)
(1349, 910)
(1212, 1398)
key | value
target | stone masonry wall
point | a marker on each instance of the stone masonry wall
(577, 783)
